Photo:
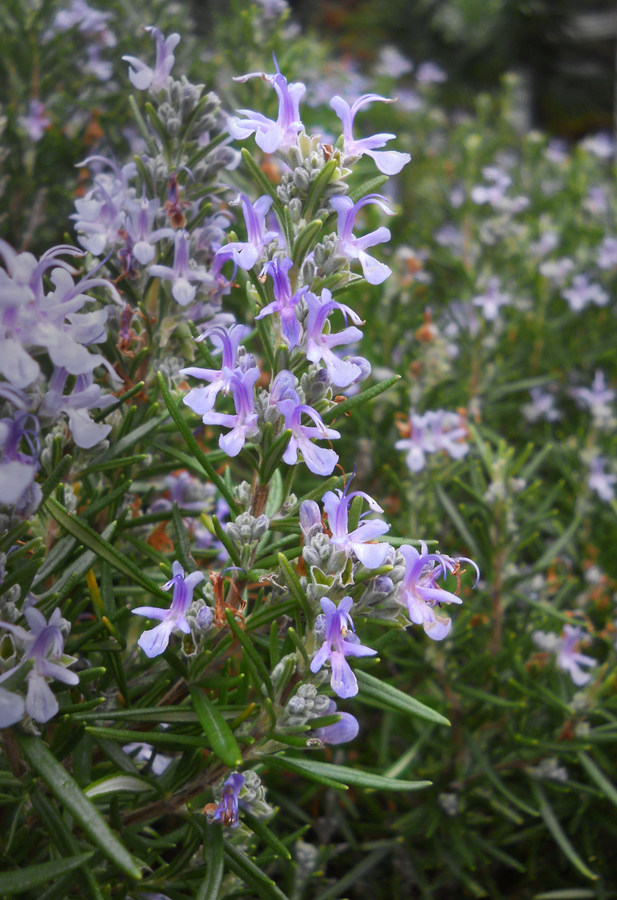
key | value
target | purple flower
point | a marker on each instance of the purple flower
(140, 230)
(421, 594)
(270, 135)
(155, 641)
(284, 303)
(596, 398)
(35, 123)
(570, 660)
(243, 423)
(431, 432)
(17, 469)
(607, 253)
(310, 519)
(45, 648)
(201, 400)
(340, 642)
(355, 248)
(390, 162)
(430, 73)
(584, 291)
(491, 301)
(600, 481)
(181, 273)
(143, 76)
(226, 810)
(359, 541)
(318, 460)
(341, 732)
(246, 254)
(319, 345)
(542, 406)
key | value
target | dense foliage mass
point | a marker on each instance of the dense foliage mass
(307, 576)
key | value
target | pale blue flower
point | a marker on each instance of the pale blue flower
(340, 642)
(143, 76)
(390, 162)
(155, 641)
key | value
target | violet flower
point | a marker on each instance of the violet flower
(584, 291)
(603, 483)
(18, 469)
(285, 302)
(491, 301)
(341, 732)
(390, 162)
(374, 271)
(181, 273)
(340, 642)
(44, 648)
(318, 460)
(421, 594)
(201, 400)
(597, 398)
(154, 641)
(319, 346)
(243, 423)
(225, 812)
(246, 254)
(270, 135)
(570, 660)
(140, 229)
(142, 76)
(358, 542)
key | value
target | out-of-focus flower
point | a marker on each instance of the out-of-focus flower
(36, 122)
(600, 481)
(584, 291)
(597, 398)
(340, 642)
(155, 641)
(432, 432)
(607, 253)
(430, 73)
(143, 76)
(542, 406)
(568, 658)
(491, 301)
(392, 63)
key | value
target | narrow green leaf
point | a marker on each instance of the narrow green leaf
(264, 183)
(567, 894)
(359, 399)
(216, 729)
(597, 775)
(114, 783)
(552, 823)
(21, 880)
(360, 870)
(252, 876)
(458, 521)
(200, 456)
(318, 187)
(56, 476)
(183, 547)
(485, 766)
(341, 776)
(268, 837)
(68, 793)
(156, 738)
(380, 693)
(293, 583)
(305, 240)
(368, 187)
(251, 653)
(214, 859)
(557, 546)
(89, 538)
